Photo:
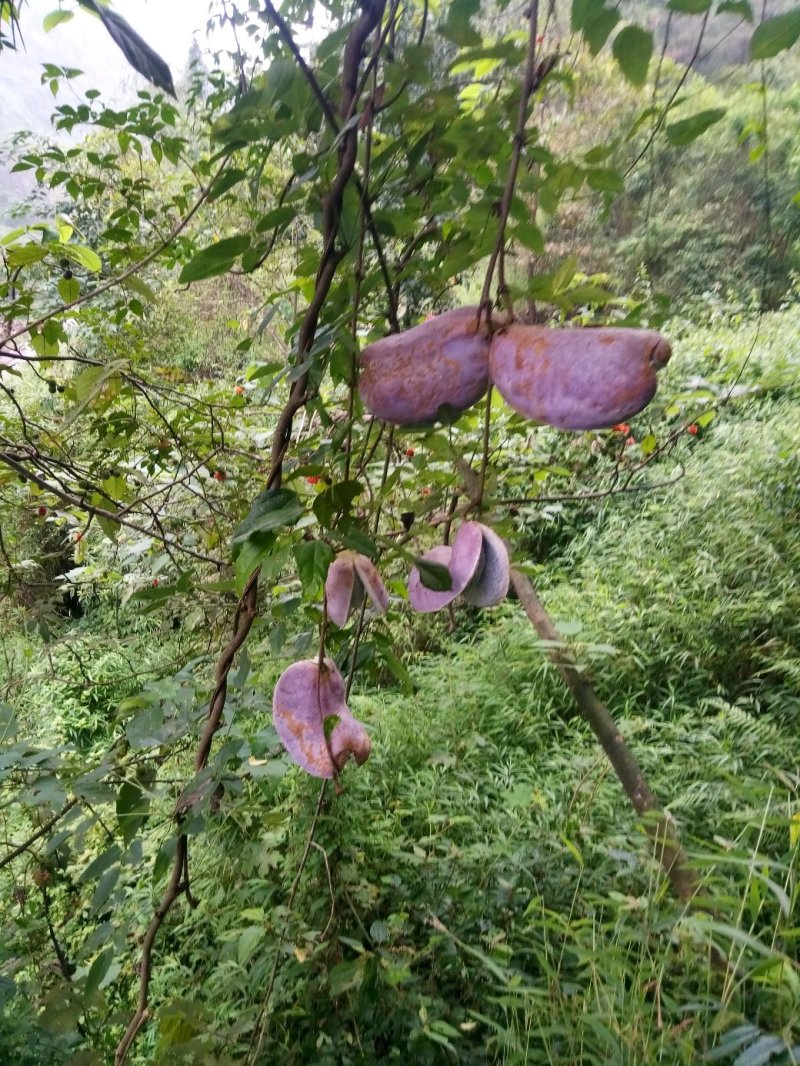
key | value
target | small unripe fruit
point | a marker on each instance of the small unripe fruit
(42, 512)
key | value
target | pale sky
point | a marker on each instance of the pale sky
(166, 25)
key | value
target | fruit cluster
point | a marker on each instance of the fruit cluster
(573, 379)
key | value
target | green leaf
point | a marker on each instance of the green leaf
(98, 970)
(226, 181)
(598, 24)
(397, 669)
(736, 7)
(254, 550)
(278, 216)
(249, 940)
(313, 559)
(689, 7)
(216, 259)
(24, 254)
(83, 255)
(132, 808)
(633, 49)
(88, 386)
(55, 18)
(433, 575)
(605, 179)
(689, 129)
(137, 285)
(270, 510)
(8, 724)
(457, 28)
(69, 289)
(530, 236)
(775, 35)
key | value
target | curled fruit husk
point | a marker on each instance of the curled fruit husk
(304, 697)
(577, 378)
(406, 378)
(478, 565)
(350, 576)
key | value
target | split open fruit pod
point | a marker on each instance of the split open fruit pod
(440, 365)
(478, 566)
(305, 696)
(577, 378)
(351, 576)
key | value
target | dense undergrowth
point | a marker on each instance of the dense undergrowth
(479, 891)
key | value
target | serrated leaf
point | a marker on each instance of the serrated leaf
(24, 254)
(689, 129)
(216, 259)
(775, 35)
(633, 49)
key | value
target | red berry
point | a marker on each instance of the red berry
(693, 428)
(621, 427)
(239, 390)
(410, 453)
(629, 441)
(425, 492)
(313, 479)
(219, 475)
(155, 582)
(42, 512)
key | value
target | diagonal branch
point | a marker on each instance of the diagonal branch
(657, 822)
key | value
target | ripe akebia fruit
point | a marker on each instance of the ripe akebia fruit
(307, 694)
(407, 378)
(478, 566)
(351, 576)
(577, 379)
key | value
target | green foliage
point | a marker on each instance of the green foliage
(190, 425)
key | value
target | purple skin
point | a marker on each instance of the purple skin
(577, 378)
(463, 561)
(491, 587)
(407, 377)
(304, 697)
(350, 575)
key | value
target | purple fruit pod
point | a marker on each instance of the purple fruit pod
(304, 697)
(351, 576)
(463, 560)
(443, 362)
(490, 587)
(479, 570)
(577, 379)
